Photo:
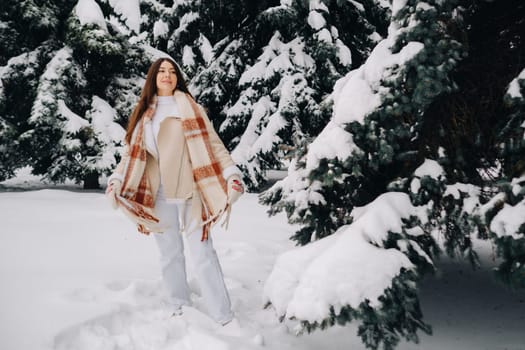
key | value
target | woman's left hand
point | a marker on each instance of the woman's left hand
(235, 188)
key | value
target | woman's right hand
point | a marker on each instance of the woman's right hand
(112, 191)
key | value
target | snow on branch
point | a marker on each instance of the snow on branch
(130, 11)
(514, 86)
(88, 12)
(344, 269)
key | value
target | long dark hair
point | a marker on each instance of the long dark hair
(149, 90)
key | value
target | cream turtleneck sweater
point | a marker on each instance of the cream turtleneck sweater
(166, 107)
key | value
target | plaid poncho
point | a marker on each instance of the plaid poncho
(136, 199)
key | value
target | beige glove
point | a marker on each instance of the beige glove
(235, 188)
(111, 192)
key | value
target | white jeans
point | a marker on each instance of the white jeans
(206, 264)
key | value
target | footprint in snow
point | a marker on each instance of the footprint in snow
(141, 328)
(141, 320)
(236, 250)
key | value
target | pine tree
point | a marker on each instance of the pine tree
(27, 24)
(206, 39)
(373, 140)
(19, 78)
(110, 66)
(61, 77)
(372, 145)
(82, 60)
(202, 24)
(29, 33)
(479, 120)
(7, 162)
(284, 93)
(504, 213)
(426, 116)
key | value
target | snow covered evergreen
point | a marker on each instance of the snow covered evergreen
(18, 81)
(504, 214)
(28, 31)
(284, 101)
(388, 138)
(52, 95)
(377, 111)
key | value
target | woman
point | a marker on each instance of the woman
(177, 178)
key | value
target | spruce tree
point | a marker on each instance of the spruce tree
(201, 25)
(475, 129)
(83, 59)
(284, 94)
(30, 33)
(207, 39)
(373, 140)
(372, 145)
(504, 214)
(430, 114)
(61, 77)
(19, 78)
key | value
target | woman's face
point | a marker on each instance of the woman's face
(166, 79)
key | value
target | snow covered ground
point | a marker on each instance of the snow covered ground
(75, 275)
